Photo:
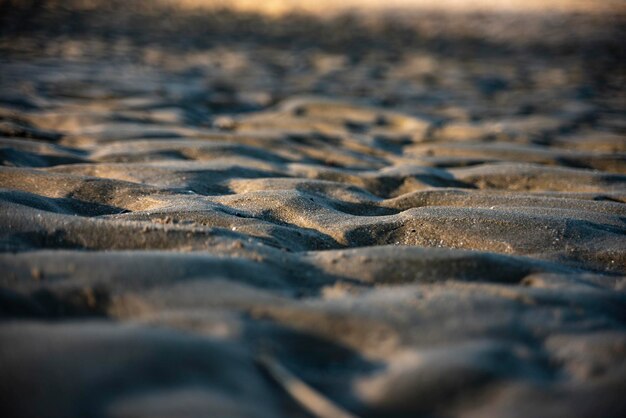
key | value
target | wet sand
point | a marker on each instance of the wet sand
(270, 217)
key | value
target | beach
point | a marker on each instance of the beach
(215, 212)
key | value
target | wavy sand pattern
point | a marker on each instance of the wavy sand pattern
(424, 234)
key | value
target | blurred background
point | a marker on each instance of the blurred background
(329, 6)
(468, 60)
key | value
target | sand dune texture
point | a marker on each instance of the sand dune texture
(246, 230)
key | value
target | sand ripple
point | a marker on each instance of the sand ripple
(421, 261)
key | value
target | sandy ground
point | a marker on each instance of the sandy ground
(212, 214)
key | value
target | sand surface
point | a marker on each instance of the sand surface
(208, 215)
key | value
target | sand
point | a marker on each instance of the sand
(375, 224)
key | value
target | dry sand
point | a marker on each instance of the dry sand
(212, 215)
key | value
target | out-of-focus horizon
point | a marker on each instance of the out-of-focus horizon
(333, 6)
